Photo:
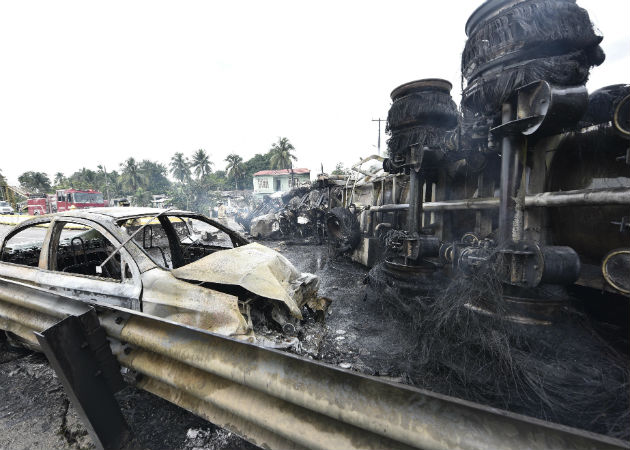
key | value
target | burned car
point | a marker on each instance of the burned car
(178, 265)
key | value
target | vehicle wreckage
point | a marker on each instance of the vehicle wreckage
(173, 264)
(500, 227)
(498, 230)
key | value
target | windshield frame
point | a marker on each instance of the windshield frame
(236, 238)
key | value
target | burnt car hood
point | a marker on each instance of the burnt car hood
(258, 269)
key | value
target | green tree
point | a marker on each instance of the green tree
(235, 169)
(60, 179)
(155, 176)
(281, 154)
(180, 168)
(132, 177)
(256, 164)
(142, 197)
(35, 182)
(340, 170)
(112, 182)
(87, 179)
(201, 163)
(104, 183)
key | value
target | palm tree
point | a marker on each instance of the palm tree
(180, 168)
(281, 156)
(235, 167)
(201, 163)
(131, 177)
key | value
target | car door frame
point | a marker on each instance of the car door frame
(125, 293)
(20, 272)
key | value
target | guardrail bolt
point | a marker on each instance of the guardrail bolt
(118, 320)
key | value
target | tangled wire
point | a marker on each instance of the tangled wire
(464, 342)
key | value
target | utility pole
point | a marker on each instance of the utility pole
(379, 120)
(109, 200)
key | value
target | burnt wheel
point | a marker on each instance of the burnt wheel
(343, 230)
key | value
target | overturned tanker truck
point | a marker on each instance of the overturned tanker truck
(500, 230)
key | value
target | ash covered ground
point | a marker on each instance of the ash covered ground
(355, 335)
(35, 413)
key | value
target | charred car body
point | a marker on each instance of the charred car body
(173, 264)
(299, 213)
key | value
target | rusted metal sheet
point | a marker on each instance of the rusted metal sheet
(214, 376)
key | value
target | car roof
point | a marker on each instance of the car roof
(101, 215)
(119, 212)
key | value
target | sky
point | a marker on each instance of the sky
(84, 83)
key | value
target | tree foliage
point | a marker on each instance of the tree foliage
(60, 179)
(36, 182)
(281, 154)
(180, 167)
(235, 169)
(256, 164)
(340, 169)
(132, 176)
(201, 163)
(155, 176)
(139, 180)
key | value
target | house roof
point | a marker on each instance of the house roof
(282, 172)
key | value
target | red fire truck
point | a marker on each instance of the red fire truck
(64, 200)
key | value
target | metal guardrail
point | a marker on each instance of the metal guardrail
(278, 400)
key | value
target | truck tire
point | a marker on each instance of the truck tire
(423, 108)
(533, 29)
(511, 44)
(603, 102)
(343, 229)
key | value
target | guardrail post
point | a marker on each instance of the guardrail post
(79, 353)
